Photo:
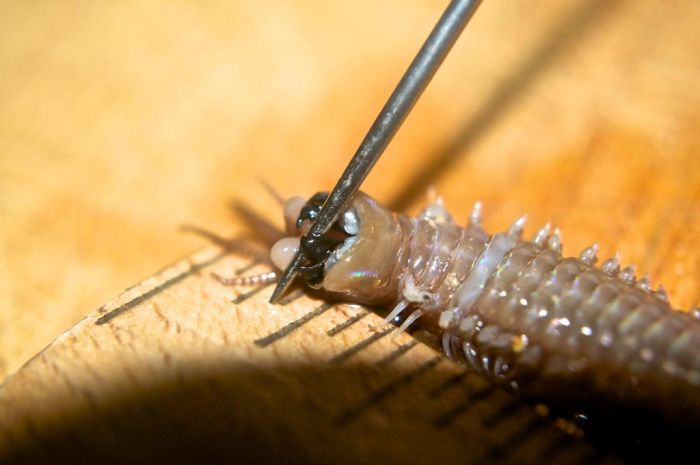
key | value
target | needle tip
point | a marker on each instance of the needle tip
(287, 277)
(277, 293)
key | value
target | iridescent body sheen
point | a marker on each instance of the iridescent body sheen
(518, 311)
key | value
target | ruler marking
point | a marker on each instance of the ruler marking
(346, 354)
(398, 352)
(504, 411)
(247, 295)
(449, 383)
(564, 442)
(296, 324)
(106, 318)
(385, 391)
(498, 452)
(347, 323)
(594, 456)
(451, 415)
(291, 297)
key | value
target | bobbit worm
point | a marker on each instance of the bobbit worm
(558, 328)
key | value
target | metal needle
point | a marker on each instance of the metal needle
(405, 95)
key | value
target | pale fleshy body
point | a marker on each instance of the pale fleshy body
(551, 327)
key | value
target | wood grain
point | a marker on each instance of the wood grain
(119, 122)
(189, 365)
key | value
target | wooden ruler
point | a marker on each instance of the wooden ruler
(587, 120)
(183, 368)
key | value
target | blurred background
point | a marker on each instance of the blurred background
(119, 121)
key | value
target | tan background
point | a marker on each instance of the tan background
(119, 121)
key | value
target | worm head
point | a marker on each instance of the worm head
(358, 258)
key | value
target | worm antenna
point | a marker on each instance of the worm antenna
(541, 236)
(271, 190)
(400, 307)
(262, 278)
(409, 321)
(210, 236)
(589, 254)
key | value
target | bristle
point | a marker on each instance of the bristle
(432, 195)
(627, 274)
(661, 292)
(589, 254)
(541, 236)
(475, 216)
(611, 266)
(447, 344)
(644, 283)
(554, 241)
(516, 229)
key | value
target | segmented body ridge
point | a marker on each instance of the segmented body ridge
(556, 327)
(551, 327)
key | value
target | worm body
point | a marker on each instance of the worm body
(516, 310)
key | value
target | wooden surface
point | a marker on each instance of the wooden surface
(189, 365)
(118, 122)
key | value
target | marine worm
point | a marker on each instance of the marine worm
(516, 310)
